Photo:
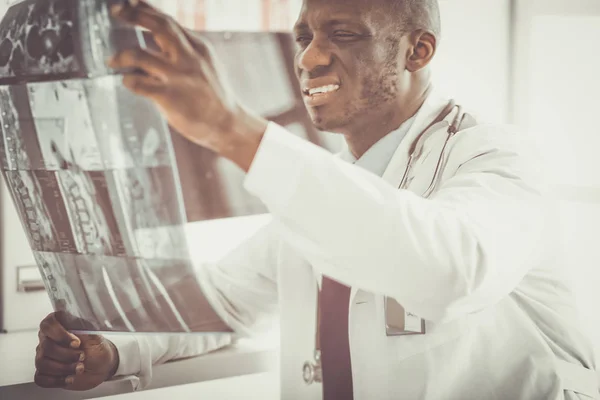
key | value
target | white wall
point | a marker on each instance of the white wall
(472, 64)
(556, 97)
(4, 5)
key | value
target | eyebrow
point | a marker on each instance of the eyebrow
(303, 26)
(342, 21)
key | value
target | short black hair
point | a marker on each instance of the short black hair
(417, 14)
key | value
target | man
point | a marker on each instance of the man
(469, 258)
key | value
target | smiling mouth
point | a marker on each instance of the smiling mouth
(322, 90)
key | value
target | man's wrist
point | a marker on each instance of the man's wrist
(244, 140)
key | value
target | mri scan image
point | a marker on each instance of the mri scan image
(63, 127)
(66, 290)
(37, 38)
(46, 227)
(104, 188)
(15, 130)
(91, 214)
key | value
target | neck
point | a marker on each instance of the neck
(364, 135)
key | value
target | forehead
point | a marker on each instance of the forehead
(317, 13)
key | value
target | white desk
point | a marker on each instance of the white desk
(17, 369)
(264, 386)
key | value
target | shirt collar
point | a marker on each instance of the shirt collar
(377, 158)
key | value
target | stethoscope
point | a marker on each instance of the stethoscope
(416, 148)
(312, 370)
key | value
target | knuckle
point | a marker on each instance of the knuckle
(71, 369)
(74, 358)
(129, 13)
(209, 47)
(131, 82)
(63, 368)
(203, 48)
(136, 54)
(201, 43)
(126, 56)
(170, 24)
(117, 58)
(45, 326)
(44, 321)
(50, 323)
(39, 380)
(53, 330)
(38, 361)
(120, 56)
(51, 350)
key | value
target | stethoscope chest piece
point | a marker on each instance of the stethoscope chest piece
(312, 371)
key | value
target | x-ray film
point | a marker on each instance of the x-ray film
(103, 187)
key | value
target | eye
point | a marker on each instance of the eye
(303, 40)
(344, 35)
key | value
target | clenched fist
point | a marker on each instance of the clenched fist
(184, 81)
(73, 362)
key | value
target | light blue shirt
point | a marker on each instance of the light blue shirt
(377, 158)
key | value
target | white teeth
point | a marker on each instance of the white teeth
(323, 89)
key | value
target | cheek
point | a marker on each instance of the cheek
(379, 77)
(379, 83)
(359, 70)
(360, 64)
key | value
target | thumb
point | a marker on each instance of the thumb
(63, 317)
(74, 324)
(90, 339)
(76, 342)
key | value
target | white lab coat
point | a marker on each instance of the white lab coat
(477, 260)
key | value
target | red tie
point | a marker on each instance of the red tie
(335, 347)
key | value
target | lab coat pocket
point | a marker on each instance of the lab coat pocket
(436, 335)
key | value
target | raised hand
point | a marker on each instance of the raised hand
(183, 79)
(73, 362)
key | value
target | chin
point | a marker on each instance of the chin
(325, 126)
(329, 122)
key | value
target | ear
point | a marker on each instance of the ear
(421, 51)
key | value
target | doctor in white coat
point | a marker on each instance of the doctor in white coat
(429, 222)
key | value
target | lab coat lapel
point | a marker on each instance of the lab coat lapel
(432, 107)
(394, 172)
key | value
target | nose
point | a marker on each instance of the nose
(314, 57)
